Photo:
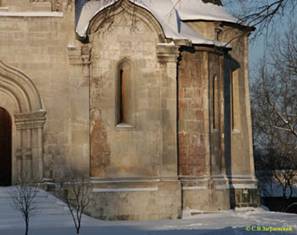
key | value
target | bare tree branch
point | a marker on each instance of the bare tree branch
(261, 14)
(23, 197)
(274, 100)
(77, 195)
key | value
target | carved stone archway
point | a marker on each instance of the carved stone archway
(19, 96)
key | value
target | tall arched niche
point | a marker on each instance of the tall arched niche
(20, 97)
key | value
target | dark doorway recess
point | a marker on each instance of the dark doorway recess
(5, 148)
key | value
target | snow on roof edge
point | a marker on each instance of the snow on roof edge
(87, 13)
(171, 31)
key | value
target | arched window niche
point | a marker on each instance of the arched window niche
(124, 94)
(215, 101)
(235, 102)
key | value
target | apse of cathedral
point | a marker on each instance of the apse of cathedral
(148, 99)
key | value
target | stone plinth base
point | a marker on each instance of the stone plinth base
(135, 200)
(217, 193)
(155, 198)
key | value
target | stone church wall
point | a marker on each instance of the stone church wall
(131, 149)
(238, 75)
(37, 45)
(136, 157)
(187, 127)
(237, 138)
(201, 128)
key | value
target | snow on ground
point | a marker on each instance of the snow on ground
(53, 218)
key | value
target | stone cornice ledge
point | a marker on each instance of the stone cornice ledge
(3, 9)
(132, 180)
(30, 120)
(31, 14)
(167, 52)
(79, 55)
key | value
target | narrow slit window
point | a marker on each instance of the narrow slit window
(215, 101)
(232, 101)
(235, 107)
(121, 93)
(124, 101)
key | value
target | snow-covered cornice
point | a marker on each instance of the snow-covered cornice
(170, 14)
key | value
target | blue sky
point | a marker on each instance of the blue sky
(258, 45)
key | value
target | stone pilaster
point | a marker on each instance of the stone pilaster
(167, 55)
(80, 60)
(29, 147)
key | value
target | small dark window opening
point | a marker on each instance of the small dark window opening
(124, 96)
(121, 108)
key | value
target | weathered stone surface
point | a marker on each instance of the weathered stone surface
(135, 147)
(100, 151)
(193, 112)
(187, 134)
